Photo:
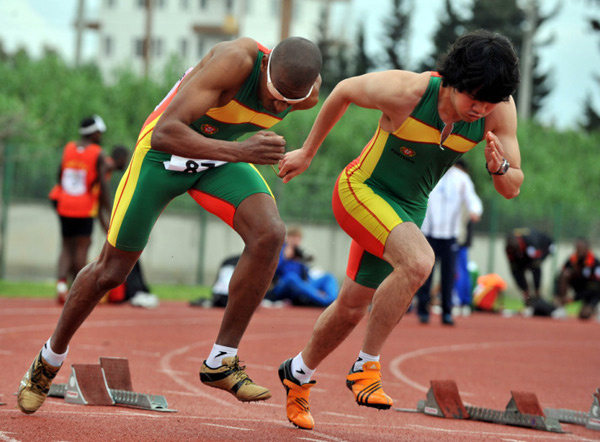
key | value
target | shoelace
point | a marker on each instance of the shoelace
(239, 373)
(40, 378)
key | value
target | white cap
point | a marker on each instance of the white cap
(92, 125)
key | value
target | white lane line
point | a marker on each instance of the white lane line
(4, 437)
(399, 360)
(227, 427)
(351, 416)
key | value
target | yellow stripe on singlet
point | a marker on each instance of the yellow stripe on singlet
(129, 181)
(458, 143)
(236, 113)
(370, 155)
(417, 131)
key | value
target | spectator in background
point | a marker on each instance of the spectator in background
(80, 196)
(526, 249)
(295, 281)
(581, 274)
(453, 194)
(220, 288)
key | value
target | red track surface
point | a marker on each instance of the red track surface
(487, 356)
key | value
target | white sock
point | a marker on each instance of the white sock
(300, 371)
(52, 358)
(362, 358)
(218, 352)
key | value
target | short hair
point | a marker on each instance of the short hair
(481, 63)
(298, 59)
(119, 151)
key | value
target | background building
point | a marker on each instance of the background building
(145, 35)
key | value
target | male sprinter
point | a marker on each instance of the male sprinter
(188, 145)
(428, 121)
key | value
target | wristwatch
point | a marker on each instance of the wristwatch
(502, 170)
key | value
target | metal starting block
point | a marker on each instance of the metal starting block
(523, 409)
(590, 420)
(106, 383)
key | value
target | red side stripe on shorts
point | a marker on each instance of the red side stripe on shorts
(221, 208)
(354, 260)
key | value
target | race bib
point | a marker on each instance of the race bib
(73, 181)
(190, 165)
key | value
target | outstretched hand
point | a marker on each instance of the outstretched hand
(263, 148)
(494, 153)
(293, 164)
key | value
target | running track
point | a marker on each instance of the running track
(487, 356)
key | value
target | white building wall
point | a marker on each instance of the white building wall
(123, 26)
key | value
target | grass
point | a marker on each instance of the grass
(180, 292)
(47, 289)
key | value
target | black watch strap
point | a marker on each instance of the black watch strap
(502, 170)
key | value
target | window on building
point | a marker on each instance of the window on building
(229, 5)
(184, 4)
(110, 3)
(157, 47)
(203, 4)
(160, 3)
(183, 47)
(138, 47)
(141, 3)
(108, 46)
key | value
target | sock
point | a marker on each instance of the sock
(52, 358)
(300, 371)
(61, 286)
(218, 352)
(362, 358)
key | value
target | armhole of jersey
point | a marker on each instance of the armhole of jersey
(263, 48)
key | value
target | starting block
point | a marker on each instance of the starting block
(590, 420)
(106, 383)
(523, 409)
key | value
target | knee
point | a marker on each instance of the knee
(270, 235)
(108, 276)
(352, 314)
(419, 270)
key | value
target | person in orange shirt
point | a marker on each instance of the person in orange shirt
(80, 196)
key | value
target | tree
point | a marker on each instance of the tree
(450, 27)
(395, 38)
(505, 17)
(363, 63)
(334, 53)
(591, 117)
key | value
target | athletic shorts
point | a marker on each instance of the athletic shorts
(368, 215)
(71, 227)
(147, 187)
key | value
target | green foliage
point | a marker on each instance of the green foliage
(42, 102)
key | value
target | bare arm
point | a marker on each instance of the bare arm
(213, 83)
(394, 93)
(502, 143)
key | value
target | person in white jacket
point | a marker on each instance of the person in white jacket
(448, 200)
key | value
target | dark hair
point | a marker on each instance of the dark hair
(483, 64)
(300, 59)
(119, 151)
